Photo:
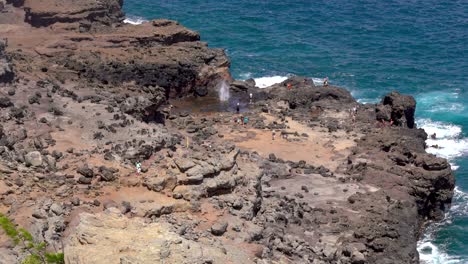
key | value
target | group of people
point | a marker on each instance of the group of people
(283, 135)
(241, 120)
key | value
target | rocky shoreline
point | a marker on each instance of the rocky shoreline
(84, 96)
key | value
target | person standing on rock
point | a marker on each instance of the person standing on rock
(273, 134)
(138, 167)
(325, 81)
(246, 120)
(238, 108)
(251, 97)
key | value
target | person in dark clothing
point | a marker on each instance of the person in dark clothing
(238, 108)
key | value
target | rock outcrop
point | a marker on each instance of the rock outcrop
(399, 108)
(42, 13)
(111, 237)
(112, 142)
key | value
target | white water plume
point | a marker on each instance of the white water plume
(223, 91)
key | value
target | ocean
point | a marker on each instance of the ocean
(369, 47)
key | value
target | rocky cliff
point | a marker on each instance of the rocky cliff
(313, 177)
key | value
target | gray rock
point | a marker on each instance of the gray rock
(201, 170)
(56, 209)
(33, 158)
(218, 229)
(184, 164)
(85, 171)
(85, 180)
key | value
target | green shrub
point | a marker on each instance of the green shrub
(37, 251)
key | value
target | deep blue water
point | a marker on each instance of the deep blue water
(370, 47)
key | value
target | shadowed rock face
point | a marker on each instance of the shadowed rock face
(399, 108)
(6, 68)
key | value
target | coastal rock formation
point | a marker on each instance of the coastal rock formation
(42, 13)
(399, 108)
(113, 141)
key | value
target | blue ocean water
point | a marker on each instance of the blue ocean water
(370, 47)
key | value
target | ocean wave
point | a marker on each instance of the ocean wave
(440, 102)
(267, 81)
(134, 20)
(264, 82)
(429, 253)
(449, 142)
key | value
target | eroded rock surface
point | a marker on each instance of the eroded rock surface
(313, 177)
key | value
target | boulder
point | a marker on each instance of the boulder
(219, 228)
(107, 174)
(85, 171)
(184, 164)
(5, 101)
(33, 159)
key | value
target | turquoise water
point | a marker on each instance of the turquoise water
(370, 47)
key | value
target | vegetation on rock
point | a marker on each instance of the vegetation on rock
(37, 253)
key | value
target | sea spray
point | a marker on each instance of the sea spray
(223, 91)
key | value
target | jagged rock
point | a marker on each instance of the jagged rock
(402, 108)
(85, 171)
(33, 158)
(107, 174)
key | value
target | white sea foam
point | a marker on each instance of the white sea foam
(134, 20)
(449, 142)
(429, 253)
(264, 82)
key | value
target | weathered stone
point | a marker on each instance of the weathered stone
(33, 158)
(219, 228)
